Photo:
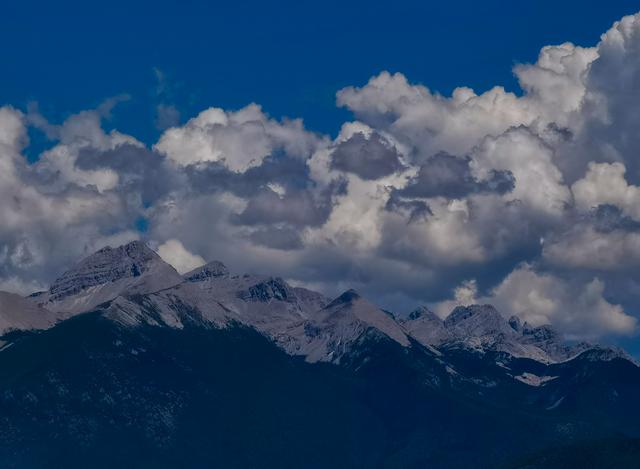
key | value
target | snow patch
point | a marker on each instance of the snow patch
(534, 380)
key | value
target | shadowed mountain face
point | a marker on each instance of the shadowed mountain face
(212, 369)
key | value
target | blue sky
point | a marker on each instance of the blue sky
(289, 56)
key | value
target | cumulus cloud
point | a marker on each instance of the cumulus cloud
(538, 182)
(239, 140)
(370, 157)
(450, 176)
(57, 166)
(605, 184)
(444, 237)
(534, 194)
(555, 84)
(585, 247)
(578, 309)
(604, 239)
(173, 252)
(274, 204)
(430, 122)
(464, 294)
(282, 238)
(613, 82)
(40, 215)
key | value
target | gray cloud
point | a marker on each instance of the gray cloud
(299, 209)
(413, 209)
(450, 176)
(369, 157)
(210, 177)
(284, 239)
(607, 218)
(140, 170)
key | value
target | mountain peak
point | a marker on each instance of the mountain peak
(131, 247)
(106, 274)
(105, 265)
(422, 312)
(213, 269)
(465, 313)
(350, 314)
(599, 353)
(477, 321)
(425, 326)
(136, 249)
(347, 297)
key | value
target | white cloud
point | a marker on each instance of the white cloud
(586, 248)
(579, 310)
(13, 134)
(239, 140)
(538, 181)
(448, 236)
(173, 252)
(39, 222)
(555, 84)
(605, 183)
(431, 122)
(463, 295)
(81, 132)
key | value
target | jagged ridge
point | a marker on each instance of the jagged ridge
(301, 321)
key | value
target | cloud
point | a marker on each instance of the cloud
(605, 184)
(463, 295)
(538, 182)
(284, 239)
(577, 309)
(370, 157)
(602, 240)
(173, 252)
(431, 123)
(612, 83)
(142, 174)
(450, 176)
(297, 208)
(555, 84)
(167, 114)
(57, 167)
(40, 215)
(239, 140)
(444, 237)
(585, 248)
(533, 194)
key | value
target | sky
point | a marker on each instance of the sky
(291, 57)
(424, 153)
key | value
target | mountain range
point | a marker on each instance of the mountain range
(123, 361)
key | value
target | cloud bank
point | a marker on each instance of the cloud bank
(529, 201)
